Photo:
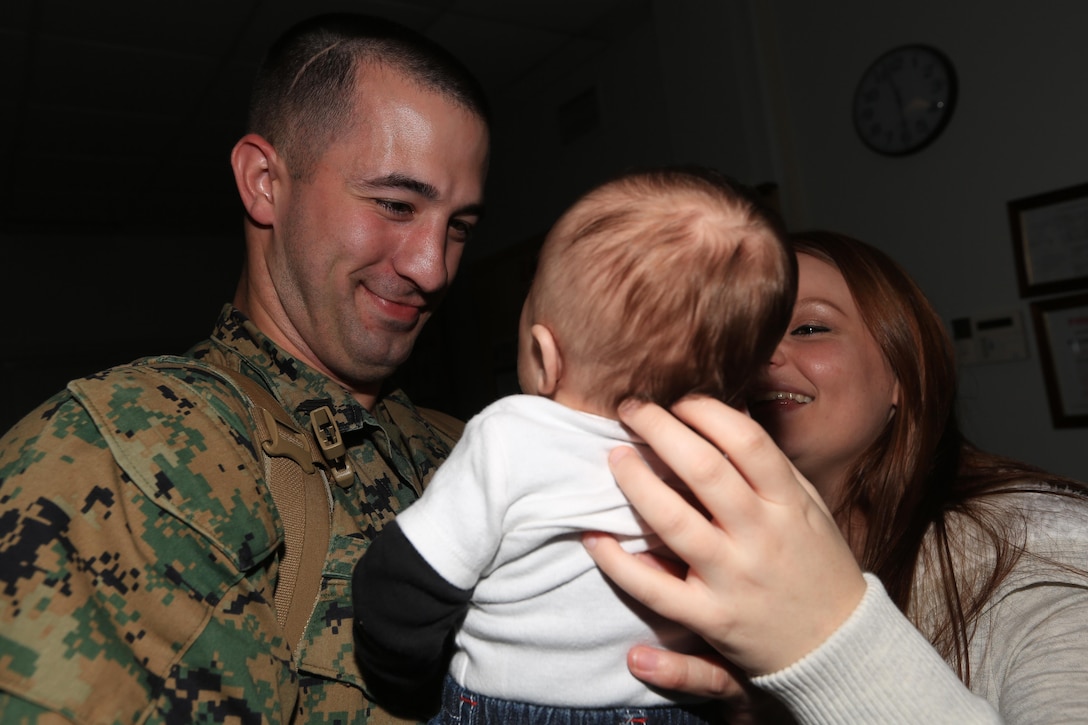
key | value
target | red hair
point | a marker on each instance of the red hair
(922, 475)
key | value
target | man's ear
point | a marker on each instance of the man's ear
(256, 166)
(550, 367)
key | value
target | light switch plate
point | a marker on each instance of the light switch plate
(991, 338)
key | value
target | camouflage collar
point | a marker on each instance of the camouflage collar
(238, 344)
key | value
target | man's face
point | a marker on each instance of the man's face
(365, 247)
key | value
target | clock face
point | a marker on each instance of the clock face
(905, 99)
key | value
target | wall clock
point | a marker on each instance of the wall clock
(905, 99)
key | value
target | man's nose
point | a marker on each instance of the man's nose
(421, 257)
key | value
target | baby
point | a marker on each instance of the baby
(654, 285)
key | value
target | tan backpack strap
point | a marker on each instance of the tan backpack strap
(445, 424)
(299, 488)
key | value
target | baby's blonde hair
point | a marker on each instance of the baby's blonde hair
(664, 282)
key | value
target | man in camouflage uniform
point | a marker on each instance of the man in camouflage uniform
(138, 537)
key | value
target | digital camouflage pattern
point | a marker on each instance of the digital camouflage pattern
(138, 545)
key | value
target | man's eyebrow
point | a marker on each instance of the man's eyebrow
(400, 181)
(476, 210)
(427, 191)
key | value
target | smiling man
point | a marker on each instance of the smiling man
(140, 548)
(349, 254)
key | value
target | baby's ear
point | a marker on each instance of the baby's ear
(550, 368)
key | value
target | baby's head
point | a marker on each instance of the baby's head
(655, 285)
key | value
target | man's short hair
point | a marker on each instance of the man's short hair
(304, 94)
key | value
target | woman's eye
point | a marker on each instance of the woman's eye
(808, 330)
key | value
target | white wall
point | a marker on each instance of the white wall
(1018, 130)
(762, 89)
(534, 176)
(670, 90)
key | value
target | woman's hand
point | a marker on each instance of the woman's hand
(769, 575)
(707, 675)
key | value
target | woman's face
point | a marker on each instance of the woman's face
(828, 391)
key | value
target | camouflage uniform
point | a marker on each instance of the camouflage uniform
(138, 542)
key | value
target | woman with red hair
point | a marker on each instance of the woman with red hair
(862, 561)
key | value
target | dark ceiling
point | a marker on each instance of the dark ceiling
(118, 116)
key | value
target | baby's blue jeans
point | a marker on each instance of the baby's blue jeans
(463, 707)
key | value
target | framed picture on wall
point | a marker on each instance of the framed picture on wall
(1050, 240)
(1061, 327)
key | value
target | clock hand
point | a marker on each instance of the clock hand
(904, 130)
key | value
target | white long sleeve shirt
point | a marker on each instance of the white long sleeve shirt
(503, 517)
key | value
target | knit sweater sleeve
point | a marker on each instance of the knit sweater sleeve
(876, 668)
(1034, 660)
